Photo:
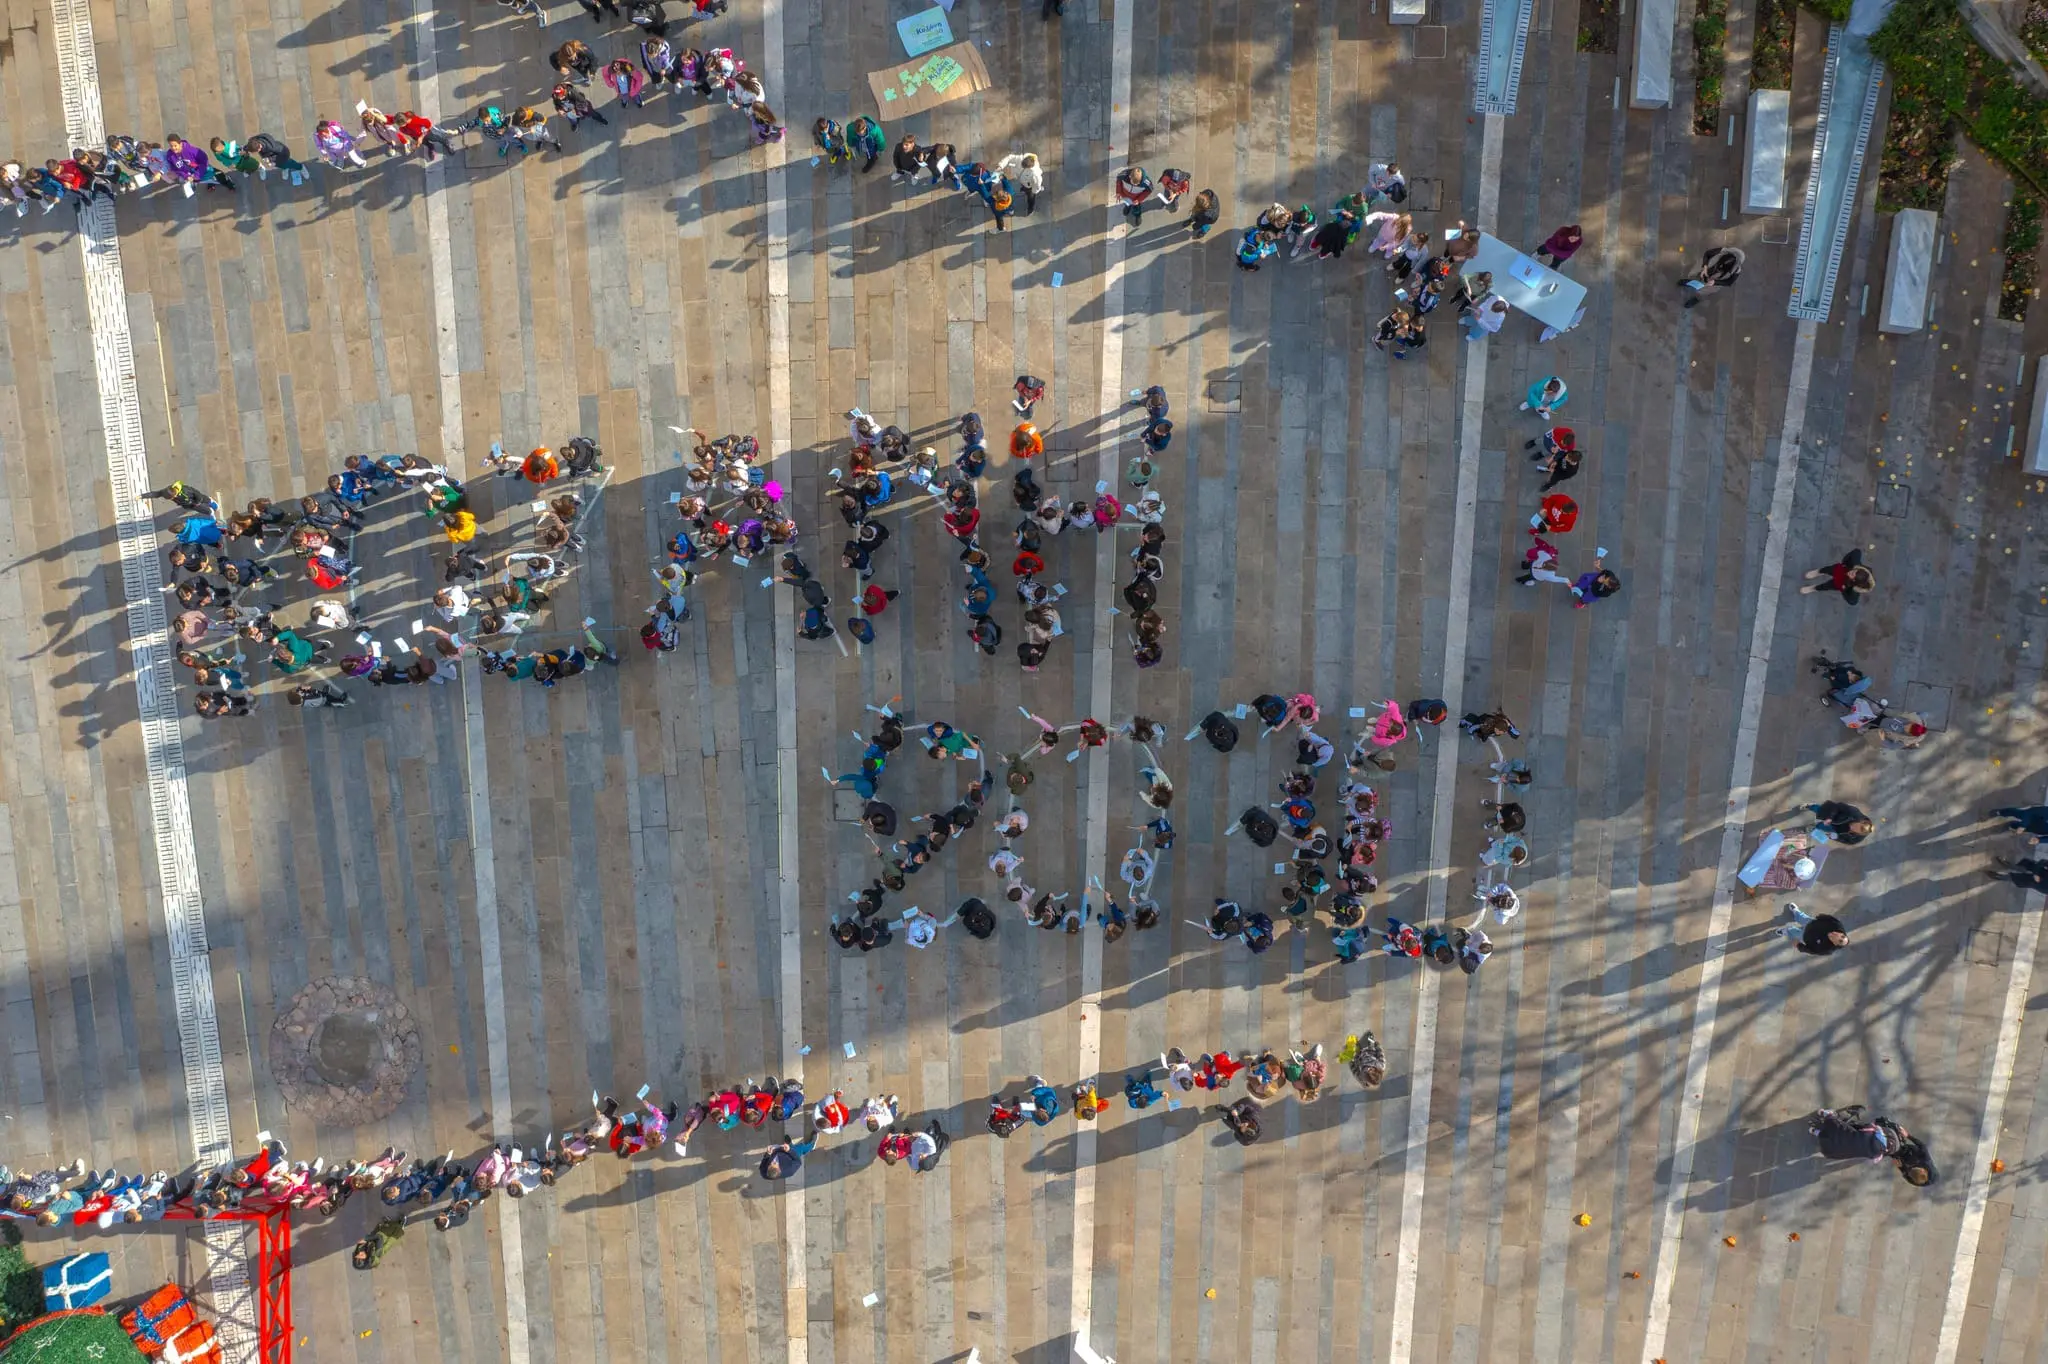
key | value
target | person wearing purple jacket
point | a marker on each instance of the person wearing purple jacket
(337, 144)
(1560, 246)
(1597, 582)
(189, 164)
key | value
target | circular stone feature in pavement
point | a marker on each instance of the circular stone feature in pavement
(344, 1051)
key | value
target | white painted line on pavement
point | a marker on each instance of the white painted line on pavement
(1095, 835)
(156, 697)
(789, 902)
(2003, 1057)
(1770, 584)
(490, 945)
(1422, 1066)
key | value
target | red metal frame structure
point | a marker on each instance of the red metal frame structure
(273, 1273)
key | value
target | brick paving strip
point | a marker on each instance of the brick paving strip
(476, 748)
(1095, 831)
(156, 698)
(1770, 582)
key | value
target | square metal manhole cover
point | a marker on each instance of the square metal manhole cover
(1425, 195)
(846, 804)
(1062, 458)
(1930, 701)
(1984, 946)
(1777, 231)
(1894, 499)
(1431, 42)
(1224, 395)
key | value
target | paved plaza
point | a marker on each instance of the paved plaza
(627, 879)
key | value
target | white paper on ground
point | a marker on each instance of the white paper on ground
(850, 1052)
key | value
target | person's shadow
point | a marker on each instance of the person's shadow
(1768, 1163)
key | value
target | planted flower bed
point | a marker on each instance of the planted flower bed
(1941, 80)
(2022, 246)
(1771, 63)
(1600, 26)
(1919, 153)
(1709, 62)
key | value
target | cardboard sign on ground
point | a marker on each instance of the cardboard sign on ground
(920, 83)
(923, 31)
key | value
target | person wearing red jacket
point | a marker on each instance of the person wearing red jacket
(419, 130)
(875, 600)
(1217, 1071)
(1557, 515)
(961, 523)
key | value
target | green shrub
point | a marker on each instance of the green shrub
(1771, 60)
(2021, 246)
(21, 1283)
(1942, 79)
(1709, 61)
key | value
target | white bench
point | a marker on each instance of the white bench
(1907, 268)
(1407, 11)
(1656, 21)
(2037, 429)
(1764, 145)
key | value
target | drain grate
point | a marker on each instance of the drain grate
(1984, 946)
(1931, 701)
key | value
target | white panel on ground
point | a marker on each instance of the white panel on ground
(1765, 142)
(1907, 268)
(2037, 429)
(1650, 86)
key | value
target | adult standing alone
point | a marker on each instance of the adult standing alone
(1718, 269)
(1847, 575)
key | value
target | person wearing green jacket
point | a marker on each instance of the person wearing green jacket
(370, 1251)
(292, 652)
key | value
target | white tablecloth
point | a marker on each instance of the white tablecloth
(1526, 283)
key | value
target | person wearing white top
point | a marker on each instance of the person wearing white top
(927, 1146)
(879, 1112)
(921, 930)
(1023, 168)
(1501, 899)
(331, 615)
(1486, 317)
(452, 602)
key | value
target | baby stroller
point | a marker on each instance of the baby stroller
(1848, 1134)
(1846, 681)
